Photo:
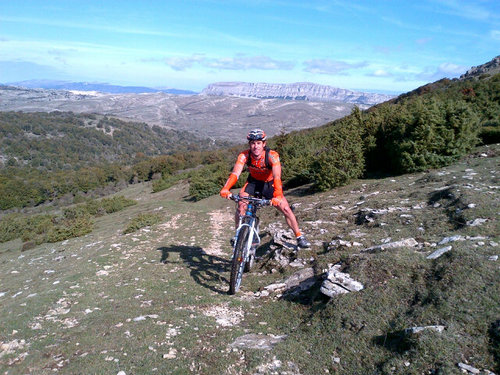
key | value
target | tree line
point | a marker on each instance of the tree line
(427, 128)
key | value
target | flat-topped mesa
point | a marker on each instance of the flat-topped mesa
(294, 91)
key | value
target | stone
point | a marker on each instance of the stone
(451, 239)
(338, 282)
(415, 330)
(469, 369)
(408, 242)
(254, 341)
(282, 237)
(476, 222)
(436, 254)
(295, 284)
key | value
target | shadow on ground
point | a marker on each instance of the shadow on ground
(207, 270)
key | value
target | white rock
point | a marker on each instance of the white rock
(468, 368)
(476, 222)
(415, 330)
(274, 287)
(451, 239)
(253, 341)
(408, 242)
(121, 373)
(338, 282)
(172, 353)
(493, 258)
(436, 254)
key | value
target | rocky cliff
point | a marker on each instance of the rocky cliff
(490, 68)
(294, 91)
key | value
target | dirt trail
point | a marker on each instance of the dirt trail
(219, 221)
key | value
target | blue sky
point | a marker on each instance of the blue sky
(381, 46)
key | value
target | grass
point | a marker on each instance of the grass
(155, 300)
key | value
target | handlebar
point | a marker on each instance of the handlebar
(257, 201)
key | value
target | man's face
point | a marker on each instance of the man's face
(256, 147)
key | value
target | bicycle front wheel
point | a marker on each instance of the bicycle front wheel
(238, 262)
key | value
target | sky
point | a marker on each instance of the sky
(390, 46)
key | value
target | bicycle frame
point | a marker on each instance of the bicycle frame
(243, 256)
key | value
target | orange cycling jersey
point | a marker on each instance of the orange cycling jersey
(257, 167)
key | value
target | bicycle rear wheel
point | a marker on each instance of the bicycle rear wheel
(238, 261)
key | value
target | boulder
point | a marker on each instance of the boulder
(408, 242)
(415, 330)
(338, 282)
(254, 341)
(298, 282)
(436, 254)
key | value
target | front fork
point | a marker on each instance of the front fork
(253, 238)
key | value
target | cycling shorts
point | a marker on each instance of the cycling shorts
(257, 188)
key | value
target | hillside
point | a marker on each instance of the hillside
(200, 114)
(87, 86)
(155, 300)
(64, 140)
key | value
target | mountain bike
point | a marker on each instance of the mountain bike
(246, 240)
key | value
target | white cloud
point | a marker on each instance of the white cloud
(495, 34)
(380, 73)
(229, 63)
(249, 62)
(444, 70)
(327, 66)
(183, 63)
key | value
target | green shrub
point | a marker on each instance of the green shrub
(10, 227)
(208, 181)
(70, 228)
(341, 161)
(141, 221)
(116, 204)
(166, 182)
(36, 227)
(74, 222)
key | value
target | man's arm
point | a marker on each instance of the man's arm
(278, 186)
(233, 177)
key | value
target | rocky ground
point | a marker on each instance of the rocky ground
(155, 301)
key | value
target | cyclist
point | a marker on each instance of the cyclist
(264, 167)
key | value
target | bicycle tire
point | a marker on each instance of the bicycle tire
(238, 261)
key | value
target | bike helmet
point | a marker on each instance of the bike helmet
(256, 135)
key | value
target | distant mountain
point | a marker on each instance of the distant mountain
(294, 91)
(215, 117)
(100, 87)
(490, 68)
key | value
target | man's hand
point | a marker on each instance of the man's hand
(276, 201)
(225, 193)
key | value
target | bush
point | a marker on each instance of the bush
(10, 227)
(74, 222)
(141, 221)
(116, 204)
(208, 181)
(341, 161)
(166, 182)
(76, 227)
